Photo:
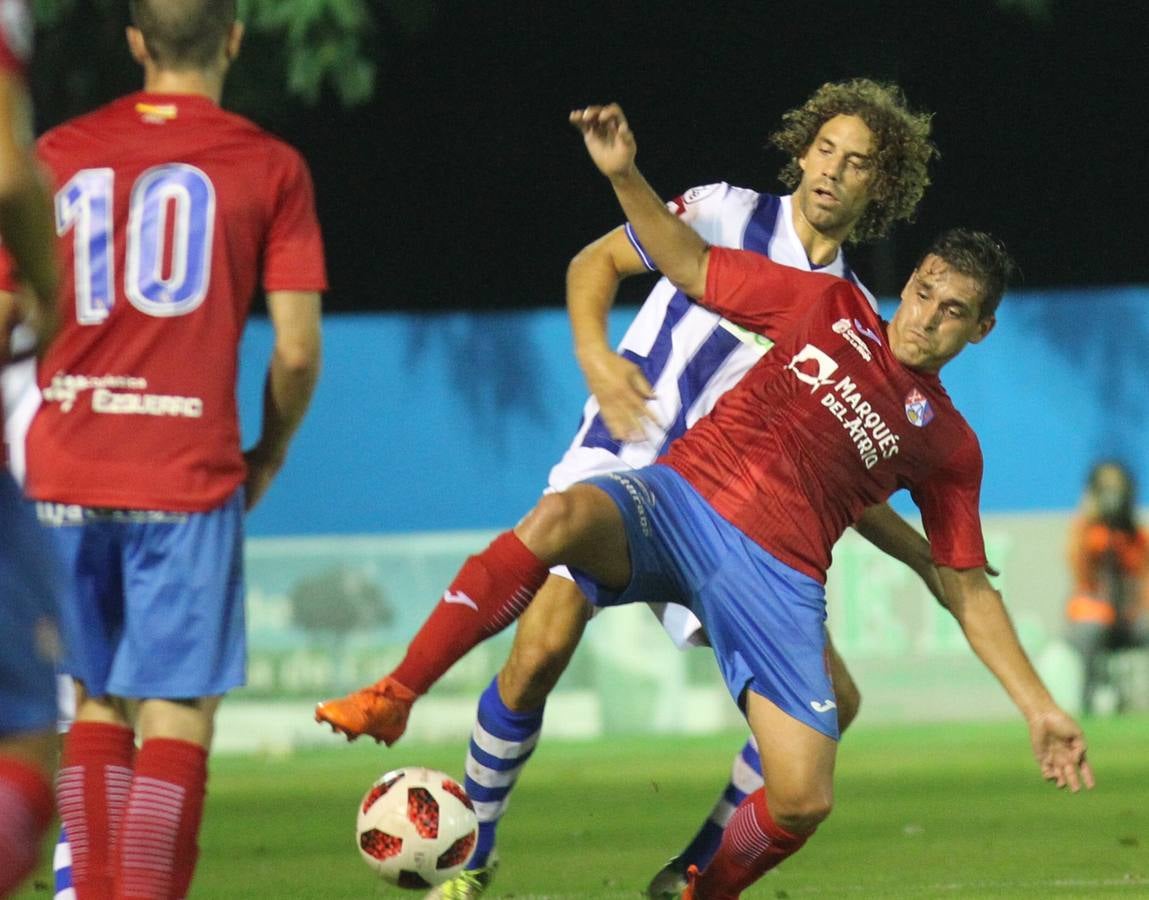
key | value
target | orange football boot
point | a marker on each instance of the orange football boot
(691, 878)
(379, 710)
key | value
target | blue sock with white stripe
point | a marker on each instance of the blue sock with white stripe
(745, 778)
(502, 742)
(62, 868)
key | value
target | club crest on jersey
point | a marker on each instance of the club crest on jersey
(813, 367)
(842, 327)
(918, 409)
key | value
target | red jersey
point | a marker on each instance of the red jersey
(171, 212)
(826, 424)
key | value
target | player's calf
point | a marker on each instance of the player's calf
(546, 638)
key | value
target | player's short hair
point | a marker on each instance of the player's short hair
(183, 34)
(903, 147)
(979, 256)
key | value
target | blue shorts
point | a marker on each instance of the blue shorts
(30, 580)
(154, 604)
(765, 621)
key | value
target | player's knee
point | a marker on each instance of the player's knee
(549, 527)
(800, 812)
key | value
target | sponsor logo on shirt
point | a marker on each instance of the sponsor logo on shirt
(918, 409)
(843, 327)
(127, 398)
(813, 367)
(862, 329)
(874, 439)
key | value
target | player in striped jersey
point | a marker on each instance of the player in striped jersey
(857, 163)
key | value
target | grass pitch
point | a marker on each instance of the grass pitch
(926, 811)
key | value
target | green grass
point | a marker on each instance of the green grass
(927, 811)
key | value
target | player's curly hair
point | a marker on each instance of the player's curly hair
(903, 147)
(183, 34)
(979, 256)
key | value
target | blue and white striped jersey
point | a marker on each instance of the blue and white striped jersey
(690, 355)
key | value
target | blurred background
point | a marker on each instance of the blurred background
(452, 194)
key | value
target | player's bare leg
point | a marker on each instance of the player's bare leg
(491, 590)
(745, 778)
(779, 817)
(545, 639)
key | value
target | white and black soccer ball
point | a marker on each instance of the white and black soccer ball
(416, 827)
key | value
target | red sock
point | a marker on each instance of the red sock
(158, 846)
(91, 790)
(490, 591)
(752, 844)
(25, 812)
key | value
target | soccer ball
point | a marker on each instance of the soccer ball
(416, 827)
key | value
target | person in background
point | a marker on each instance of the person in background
(1108, 554)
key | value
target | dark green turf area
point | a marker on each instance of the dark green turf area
(926, 811)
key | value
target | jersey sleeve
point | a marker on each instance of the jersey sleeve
(294, 260)
(702, 208)
(950, 504)
(757, 293)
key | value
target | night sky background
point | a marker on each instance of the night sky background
(460, 185)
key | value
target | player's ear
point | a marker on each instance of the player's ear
(234, 41)
(137, 45)
(982, 330)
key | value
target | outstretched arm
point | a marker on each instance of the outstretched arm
(1058, 742)
(678, 251)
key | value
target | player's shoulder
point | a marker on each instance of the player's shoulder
(962, 436)
(245, 129)
(717, 195)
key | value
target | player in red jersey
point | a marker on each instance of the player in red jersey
(27, 571)
(171, 214)
(740, 515)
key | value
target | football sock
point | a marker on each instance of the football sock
(752, 845)
(25, 812)
(745, 778)
(501, 743)
(490, 591)
(159, 846)
(91, 790)
(62, 866)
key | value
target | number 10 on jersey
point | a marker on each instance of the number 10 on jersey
(172, 203)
